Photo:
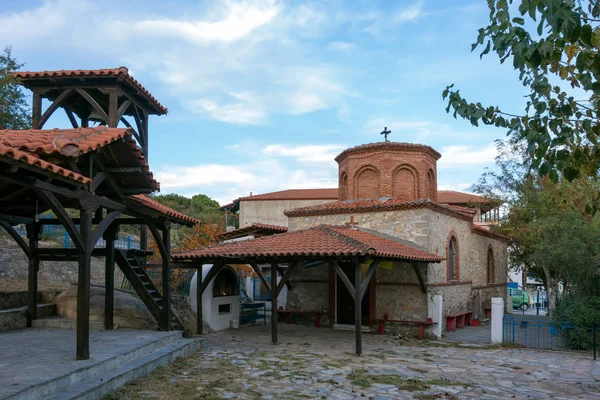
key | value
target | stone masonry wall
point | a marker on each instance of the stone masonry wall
(313, 295)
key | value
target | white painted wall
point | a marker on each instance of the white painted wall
(210, 304)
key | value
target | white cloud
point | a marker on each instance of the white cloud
(467, 156)
(306, 154)
(411, 13)
(199, 175)
(246, 110)
(238, 21)
(341, 46)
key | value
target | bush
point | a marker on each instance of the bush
(574, 318)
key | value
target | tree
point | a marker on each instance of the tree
(559, 63)
(552, 233)
(14, 110)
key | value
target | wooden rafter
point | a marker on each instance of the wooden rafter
(52, 202)
(123, 108)
(71, 118)
(212, 273)
(367, 278)
(285, 277)
(97, 180)
(415, 266)
(54, 106)
(101, 228)
(109, 178)
(17, 238)
(261, 276)
(93, 103)
(344, 278)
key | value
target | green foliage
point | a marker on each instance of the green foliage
(554, 44)
(199, 206)
(574, 318)
(14, 110)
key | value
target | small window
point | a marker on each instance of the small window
(260, 290)
(452, 260)
(224, 309)
(490, 266)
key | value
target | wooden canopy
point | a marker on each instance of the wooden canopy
(325, 243)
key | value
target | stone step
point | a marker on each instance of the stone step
(16, 318)
(63, 323)
(102, 384)
(93, 381)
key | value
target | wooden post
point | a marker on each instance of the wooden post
(109, 277)
(113, 105)
(83, 287)
(36, 110)
(33, 231)
(357, 308)
(199, 300)
(274, 303)
(166, 277)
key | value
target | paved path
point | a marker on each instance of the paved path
(319, 363)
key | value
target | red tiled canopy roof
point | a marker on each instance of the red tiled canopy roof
(321, 241)
(389, 146)
(122, 72)
(164, 210)
(74, 142)
(32, 160)
(295, 194)
(263, 229)
(384, 204)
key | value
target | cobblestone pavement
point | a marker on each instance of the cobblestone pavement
(320, 363)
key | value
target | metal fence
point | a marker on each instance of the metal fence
(545, 334)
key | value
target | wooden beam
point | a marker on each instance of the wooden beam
(50, 200)
(97, 180)
(274, 304)
(127, 124)
(158, 239)
(71, 117)
(83, 287)
(281, 273)
(261, 276)
(212, 273)
(415, 266)
(13, 219)
(101, 228)
(110, 235)
(358, 309)
(113, 107)
(367, 279)
(36, 109)
(54, 106)
(109, 178)
(166, 278)
(124, 170)
(17, 238)
(124, 106)
(33, 233)
(344, 278)
(93, 103)
(285, 277)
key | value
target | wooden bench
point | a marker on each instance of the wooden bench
(422, 324)
(253, 312)
(459, 320)
(288, 315)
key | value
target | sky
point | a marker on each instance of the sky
(262, 95)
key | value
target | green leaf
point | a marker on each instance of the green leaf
(553, 176)
(596, 87)
(544, 168)
(595, 40)
(518, 20)
(571, 173)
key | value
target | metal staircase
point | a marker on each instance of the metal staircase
(132, 268)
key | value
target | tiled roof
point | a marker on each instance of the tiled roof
(453, 197)
(389, 146)
(374, 205)
(74, 142)
(486, 232)
(262, 228)
(121, 72)
(321, 241)
(166, 211)
(296, 194)
(32, 160)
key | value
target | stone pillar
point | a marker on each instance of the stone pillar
(497, 318)
(435, 307)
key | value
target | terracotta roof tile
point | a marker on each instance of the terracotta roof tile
(121, 72)
(164, 210)
(487, 232)
(74, 142)
(32, 160)
(321, 241)
(453, 197)
(389, 146)
(256, 226)
(374, 205)
(295, 194)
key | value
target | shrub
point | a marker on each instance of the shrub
(574, 318)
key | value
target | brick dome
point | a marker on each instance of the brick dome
(400, 170)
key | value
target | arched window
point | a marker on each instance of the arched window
(367, 183)
(452, 259)
(344, 187)
(430, 185)
(226, 283)
(490, 266)
(405, 183)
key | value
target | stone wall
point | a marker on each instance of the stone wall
(310, 291)
(399, 294)
(271, 211)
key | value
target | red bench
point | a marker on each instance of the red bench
(422, 324)
(288, 315)
(459, 320)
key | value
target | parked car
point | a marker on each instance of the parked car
(520, 299)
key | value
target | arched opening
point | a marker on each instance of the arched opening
(367, 183)
(490, 266)
(226, 283)
(431, 185)
(343, 187)
(452, 259)
(405, 184)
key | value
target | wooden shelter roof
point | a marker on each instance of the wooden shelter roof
(164, 211)
(255, 229)
(323, 241)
